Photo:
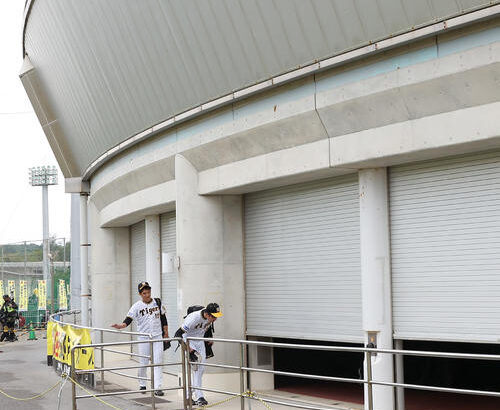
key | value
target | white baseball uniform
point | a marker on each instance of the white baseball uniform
(147, 317)
(195, 325)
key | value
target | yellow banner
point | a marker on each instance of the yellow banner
(23, 295)
(63, 339)
(42, 295)
(63, 300)
(1, 288)
(50, 340)
(12, 289)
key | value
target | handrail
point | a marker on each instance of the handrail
(99, 329)
(122, 352)
(102, 369)
(290, 374)
(65, 312)
(119, 393)
(245, 393)
(130, 342)
(147, 339)
(423, 353)
(368, 380)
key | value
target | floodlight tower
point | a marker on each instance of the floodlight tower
(45, 176)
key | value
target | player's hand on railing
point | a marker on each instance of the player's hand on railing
(166, 345)
(119, 326)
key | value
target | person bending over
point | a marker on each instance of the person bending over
(195, 325)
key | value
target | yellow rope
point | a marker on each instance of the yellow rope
(254, 395)
(93, 395)
(249, 394)
(30, 398)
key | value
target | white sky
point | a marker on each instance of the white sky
(23, 145)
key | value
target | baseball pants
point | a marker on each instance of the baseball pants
(144, 349)
(199, 346)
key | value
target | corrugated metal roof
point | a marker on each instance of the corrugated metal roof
(112, 69)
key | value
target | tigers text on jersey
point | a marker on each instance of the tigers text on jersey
(195, 325)
(147, 316)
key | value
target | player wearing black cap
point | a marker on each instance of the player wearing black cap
(151, 318)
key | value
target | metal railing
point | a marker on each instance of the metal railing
(102, 332)
(151, 365)
(368, 380)
(245, 393)
(100, 346)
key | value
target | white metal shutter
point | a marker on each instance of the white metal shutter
(137, 260)
(445, 229)
(303, 274)
(169, 283)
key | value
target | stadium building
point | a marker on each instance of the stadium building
(328, 171)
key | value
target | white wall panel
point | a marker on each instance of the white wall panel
(445, 229)
(169, 281)
(137, 261)
(303, 261)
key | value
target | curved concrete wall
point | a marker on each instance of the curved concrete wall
(378, 112)
(110, 70)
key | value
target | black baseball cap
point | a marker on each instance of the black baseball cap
(213, 309)
(142, 286)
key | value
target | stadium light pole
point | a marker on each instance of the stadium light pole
(45, 176)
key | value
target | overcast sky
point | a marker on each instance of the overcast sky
(22, 145)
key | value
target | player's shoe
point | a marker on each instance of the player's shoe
(201, 402)
(159, 393)
(142, 388)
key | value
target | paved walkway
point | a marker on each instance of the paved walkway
(24, 373)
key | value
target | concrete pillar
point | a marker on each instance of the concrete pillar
(153, 254)
(84, 260)
(210, 251)
(109, 272)
(75, 278)
(376, 279)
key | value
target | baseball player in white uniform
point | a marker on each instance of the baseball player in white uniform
(150, 317)
(195, 325)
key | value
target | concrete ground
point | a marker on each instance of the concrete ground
(24, 373)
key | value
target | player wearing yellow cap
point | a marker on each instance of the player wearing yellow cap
(195, 325)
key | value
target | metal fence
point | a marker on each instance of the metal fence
(245, 393)
(101, 370)
(71, 317)
(368, 380)
(23, 262)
